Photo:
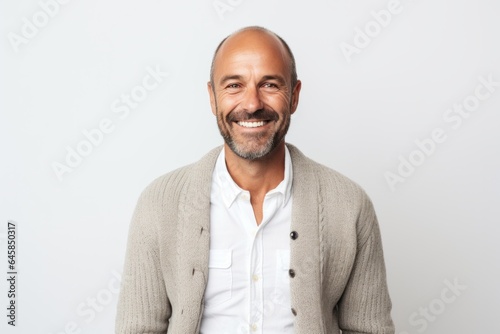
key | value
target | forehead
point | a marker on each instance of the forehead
(256, 51)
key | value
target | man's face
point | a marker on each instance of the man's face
(252, 95)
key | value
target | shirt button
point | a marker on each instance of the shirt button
(255, 278)
(294, 312)
(253, 327)
(291, 272)
(294, 235)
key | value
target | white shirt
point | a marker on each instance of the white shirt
(248, 284)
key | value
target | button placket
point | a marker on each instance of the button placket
(256, 295)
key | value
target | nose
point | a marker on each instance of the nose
(251, 101)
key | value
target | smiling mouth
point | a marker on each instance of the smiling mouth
(252, 124)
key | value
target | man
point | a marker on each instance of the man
(255, 237)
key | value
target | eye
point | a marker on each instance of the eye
(233, 86)
(270, 86)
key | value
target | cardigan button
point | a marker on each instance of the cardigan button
(294, 312)
(291, 272)
(294, 235)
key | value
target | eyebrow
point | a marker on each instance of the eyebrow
(226, 78)
(278, 78)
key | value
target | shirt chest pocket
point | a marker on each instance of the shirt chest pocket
(220, 277)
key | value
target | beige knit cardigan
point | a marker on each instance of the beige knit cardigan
(336, 254)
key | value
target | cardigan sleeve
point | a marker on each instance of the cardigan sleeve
(365, 305)
(143, 305)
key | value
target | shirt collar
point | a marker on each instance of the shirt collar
(230, 190)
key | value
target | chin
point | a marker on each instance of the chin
(254, 153)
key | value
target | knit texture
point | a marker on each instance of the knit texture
(339, 282)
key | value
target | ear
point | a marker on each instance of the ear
(295, 96)
(211, 94)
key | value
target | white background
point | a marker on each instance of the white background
(356, 115)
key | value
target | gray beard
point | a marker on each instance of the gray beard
(271, 144)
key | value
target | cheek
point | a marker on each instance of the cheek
(226, 103)
(278, 101)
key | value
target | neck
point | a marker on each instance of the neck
(260, 175)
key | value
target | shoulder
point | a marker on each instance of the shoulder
(173, 183)
(340, 199)
(329, 181)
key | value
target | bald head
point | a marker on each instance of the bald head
(254, 37)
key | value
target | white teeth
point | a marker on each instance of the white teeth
(251, 124)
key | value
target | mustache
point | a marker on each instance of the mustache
(260, 115)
